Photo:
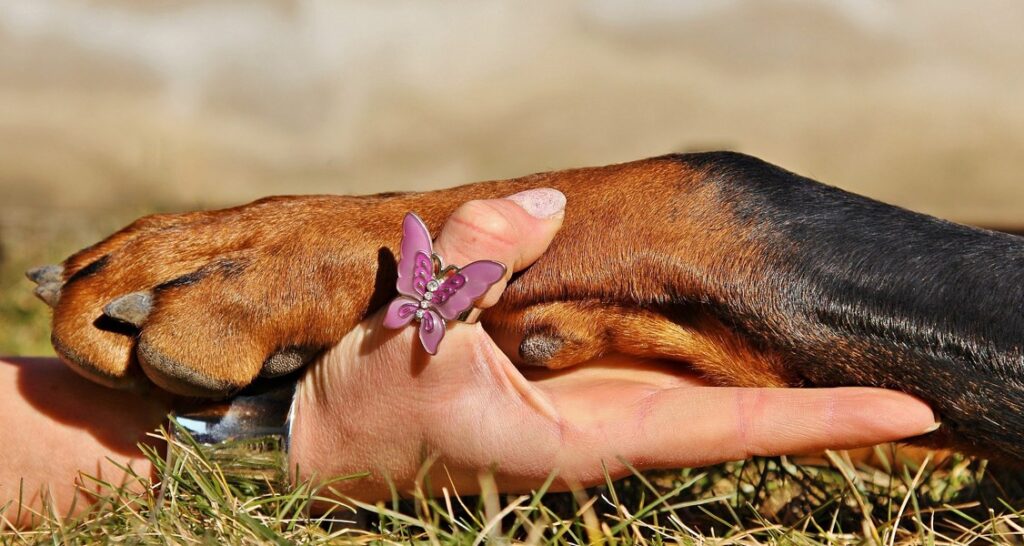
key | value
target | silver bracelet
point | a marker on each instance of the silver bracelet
(246, 436)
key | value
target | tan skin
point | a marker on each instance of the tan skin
(377, 402)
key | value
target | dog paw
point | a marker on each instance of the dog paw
(203, 303)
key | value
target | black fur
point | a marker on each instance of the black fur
(93, 268)
(226, 268)
(864, 293)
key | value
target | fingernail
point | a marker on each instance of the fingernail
(540, 203)
(933, 427)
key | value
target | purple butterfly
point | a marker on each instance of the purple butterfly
(431, 293)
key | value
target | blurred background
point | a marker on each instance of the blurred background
(110, 109)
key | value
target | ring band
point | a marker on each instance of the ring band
(471, 315)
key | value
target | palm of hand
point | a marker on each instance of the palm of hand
(377, 402)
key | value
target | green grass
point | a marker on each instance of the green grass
(762, 501)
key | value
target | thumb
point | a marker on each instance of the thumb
(515, 231)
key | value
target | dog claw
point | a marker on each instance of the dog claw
(49, 293)
(131, 308)
(46, 274)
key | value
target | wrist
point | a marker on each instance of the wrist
(306, 436)
(325, 446)
(349, 430)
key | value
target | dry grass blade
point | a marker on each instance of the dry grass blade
(769, 501)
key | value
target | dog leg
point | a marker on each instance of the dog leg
(562, 334)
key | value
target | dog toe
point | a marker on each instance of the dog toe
(187, 371)
(190, 346)
(96, 349)
(210, 366)
(90, 342)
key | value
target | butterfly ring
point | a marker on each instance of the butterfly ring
(431, 293)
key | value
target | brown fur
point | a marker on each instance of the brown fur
(292, 272)
(583, 331)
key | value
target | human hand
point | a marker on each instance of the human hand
(378, 402)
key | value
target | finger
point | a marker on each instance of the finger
(707, 425)
(514, 231)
